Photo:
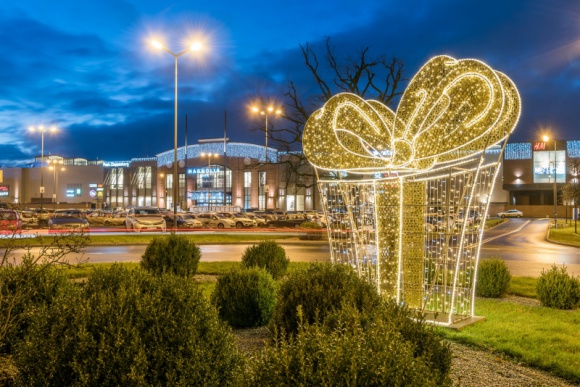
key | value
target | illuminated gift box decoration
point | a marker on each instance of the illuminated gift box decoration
(406, 192)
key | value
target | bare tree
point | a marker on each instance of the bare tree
(369, 77)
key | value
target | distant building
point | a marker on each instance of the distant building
(209, 175)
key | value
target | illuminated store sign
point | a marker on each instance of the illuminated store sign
(195, 171)
(4, 190)
(539, 146)
(116, 164)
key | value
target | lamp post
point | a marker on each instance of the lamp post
(265, 111)
(55, 179)
(194, 47)
(209, 156)
(42, 130)
(546, 139)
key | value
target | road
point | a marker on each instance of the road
(520, 242)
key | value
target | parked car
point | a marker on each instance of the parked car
(513, 213)
(144, 218)
(212, 220)
(240, 219)
(68, 220)
(98, 216)
(260, 221)
(29, 219)
(285, 221)
(10, 220)
(117, 219)
(183, 221)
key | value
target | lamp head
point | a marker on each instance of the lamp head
(196, 46)
(157, 44)
(546, 138)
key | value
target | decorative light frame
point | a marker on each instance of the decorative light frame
(407, 186)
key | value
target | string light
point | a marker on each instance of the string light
(394, 172)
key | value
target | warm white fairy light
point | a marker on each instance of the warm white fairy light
(431, 152)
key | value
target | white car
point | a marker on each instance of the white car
(215, 220)
(145, 218)
(510, 214)
(240, 219)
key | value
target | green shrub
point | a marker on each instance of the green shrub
(174, 254)
(318, 290)
(493, 278)
(245, 298)
(313, 225)
(144, 330)
(268, 255)
(314, 231)
(357, 349)
(24, 289)
(557, 289)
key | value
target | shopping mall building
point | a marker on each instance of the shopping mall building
(211, 175)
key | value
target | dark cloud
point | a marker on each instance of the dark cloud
(114, 99)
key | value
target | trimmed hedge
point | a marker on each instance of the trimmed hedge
(268, 255)
(370, 348)
(129, 328)
(174, 254)
(557, 289)
(24, 289)
(245, 298)
(493, 279)
(318, 290)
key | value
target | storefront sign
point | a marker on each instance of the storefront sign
(539, 146)
(4, 190)
(195, 171)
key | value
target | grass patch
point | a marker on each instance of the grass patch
(144, 239)
(537, 336)
(565, 234)
(523, 287)
(492, 222)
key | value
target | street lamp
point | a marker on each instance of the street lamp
(55, 169)
(546, 139)
(42, 130)
(265, 111)
(209, 156)
(194, 47)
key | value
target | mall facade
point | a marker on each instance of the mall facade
(211, 174)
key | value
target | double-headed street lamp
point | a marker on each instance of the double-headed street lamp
(194, 47)
(209, 156)
(546, 139)
(55, 170)
(42, 130)
(265, 111)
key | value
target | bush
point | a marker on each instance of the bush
(144, 330)
(268, 255)
(493, 278)
(557, 289)
(314, 231)
(173, 254)
(357, 349)
(318, 290)
(24, 289)
(245, 298)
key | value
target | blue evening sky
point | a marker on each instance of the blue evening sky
(85, 66)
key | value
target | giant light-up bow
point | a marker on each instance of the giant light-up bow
(451, 109)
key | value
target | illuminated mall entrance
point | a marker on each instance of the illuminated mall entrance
(209, 186)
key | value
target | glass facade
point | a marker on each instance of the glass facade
(211, 185)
